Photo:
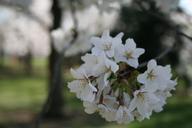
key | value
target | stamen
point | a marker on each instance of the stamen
(107, 46)
(151, 75)
(129, 55)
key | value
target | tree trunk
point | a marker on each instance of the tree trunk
(1, 58)
(54, 105)
(27, 61)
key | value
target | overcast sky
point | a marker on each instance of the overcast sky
(186, 5)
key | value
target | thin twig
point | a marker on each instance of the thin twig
(160, 56)
(184, 35)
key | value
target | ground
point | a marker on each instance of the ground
(22, 96)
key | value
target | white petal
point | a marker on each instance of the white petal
(127, 99)
(120, 35)
(164, 72)
(88, 58)
(110, 53)
(130, 44)
(171, 84)
(106, 76)
(110, 101)
(74, 86)
(119, 113)
(151, 86)
(152, 98)
(137, 52)
(133, 104)
(143, 109)
(129, 116)
(152, 64)
(117, 41)
(119, 51)
(111, 65)
(77, 74)
(133, 63)
(142, 78)
(105, 34)
(101, 82)
(99, 69)
(95, 40)
(96, 51)
(90, 108)
(120, 58)
(88, 94)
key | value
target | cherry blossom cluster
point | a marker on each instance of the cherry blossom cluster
(109, 82)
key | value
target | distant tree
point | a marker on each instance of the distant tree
(1, 51)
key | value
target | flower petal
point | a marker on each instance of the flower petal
(77, 74)
(105, 34)
(95, 40)
(152, 64)
(96, 51)
(111, 65)
(142, 78)
(130, 44)
(90, 107)
(137, 52)
(133, 62)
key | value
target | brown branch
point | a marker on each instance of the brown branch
(75, 29)
(159, 57)
(184, 35)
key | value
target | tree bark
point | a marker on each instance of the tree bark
(54, 104)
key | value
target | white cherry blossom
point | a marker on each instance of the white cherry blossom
(106, 44)
(123, 115)
(163, 95)
(106, 112)
(156, 77)
(90, 107)
(82, 85)
(128, 53)
(108, 106)
(99, 82)
(98, 65)
(143, 102)
(103, 82)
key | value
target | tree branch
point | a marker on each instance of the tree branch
(165, 20)
(25, 10)
(169, 24)
(75, 29)
(159, 57)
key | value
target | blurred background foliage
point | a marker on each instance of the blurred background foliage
(40, 40)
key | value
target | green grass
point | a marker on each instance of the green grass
(19, 92)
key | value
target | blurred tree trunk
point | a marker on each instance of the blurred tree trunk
(1, 51)
(55, 99)
(27, 61)
(1, 57)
